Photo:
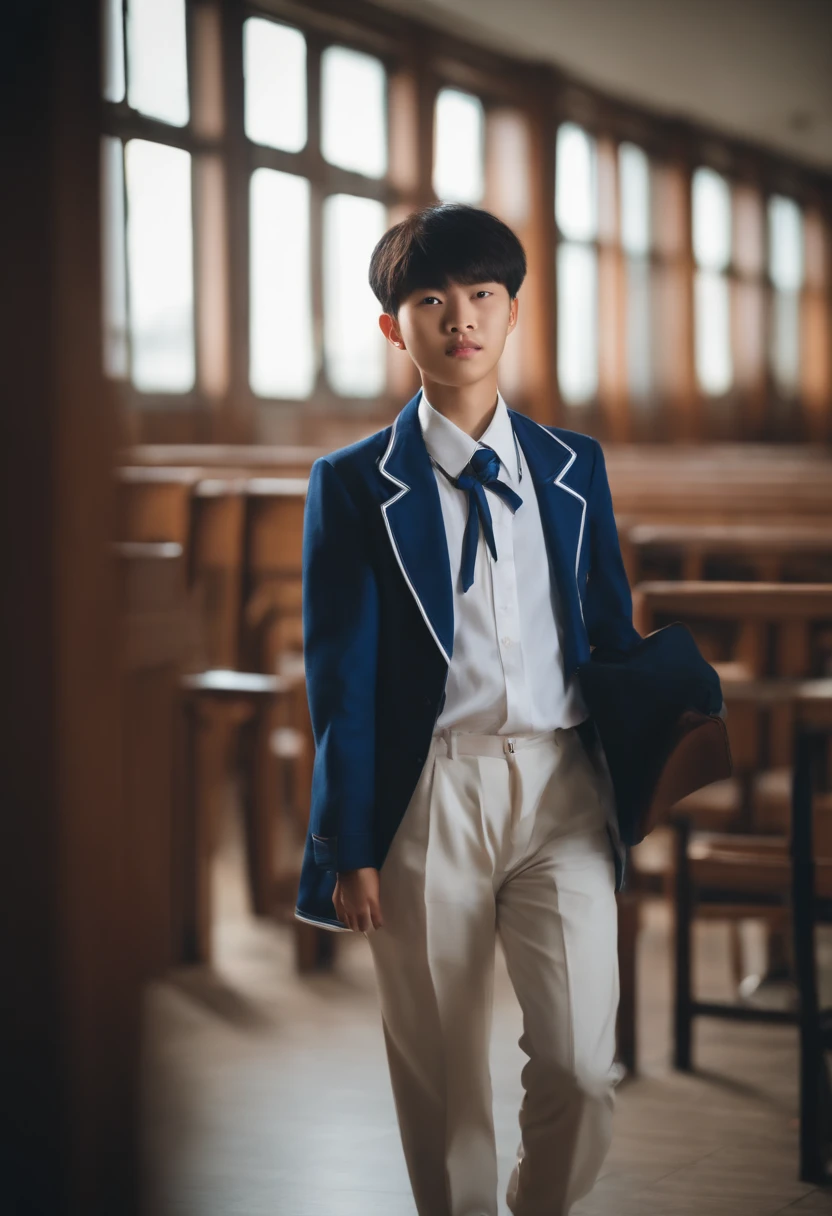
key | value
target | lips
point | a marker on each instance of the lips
(467, 348)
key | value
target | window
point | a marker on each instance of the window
(281, 345)
(459, 147)
(147, 206)
(157, 72)
(292, 213)
(252, 156)
(635, 228)
(711, 207)
(786, 273)
(354, 346)
(274, 63)
(353, 111)
(160, 266)
(576, 212)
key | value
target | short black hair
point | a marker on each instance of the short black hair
(447, 242)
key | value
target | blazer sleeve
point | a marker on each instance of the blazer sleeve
(608, 603)
(340, 632)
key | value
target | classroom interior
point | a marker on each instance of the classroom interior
(196, 189)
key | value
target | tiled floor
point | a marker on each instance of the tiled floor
(266, 1094)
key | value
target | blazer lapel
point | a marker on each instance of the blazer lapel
(413, 517)
(562, 512)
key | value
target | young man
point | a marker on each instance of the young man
(458, 566)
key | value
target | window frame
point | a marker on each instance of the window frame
(420, 60)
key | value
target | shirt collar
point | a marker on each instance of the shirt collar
(452, 448)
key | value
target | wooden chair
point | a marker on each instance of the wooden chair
(811, 849)
(154, 505)
(732, 876)
(739, 869)
(629, 910)
(249, 696)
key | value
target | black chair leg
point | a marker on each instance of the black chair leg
(683, 1019)
(814, 1081)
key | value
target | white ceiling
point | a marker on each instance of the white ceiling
(760, 69)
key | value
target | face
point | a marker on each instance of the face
(432, 324)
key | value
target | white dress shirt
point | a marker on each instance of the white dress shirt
(506, 674)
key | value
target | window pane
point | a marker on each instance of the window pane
(634, 168)
(713, 333)
(112, 39)
(576, 207)
(785, 341)
(711, 219)
(577, 322)
(158, 68)
(160, 266)
(785, 250)
(274, 62)
(113, 255)
(354, 345)
(354, 111)
(282, 352)
(458, 174)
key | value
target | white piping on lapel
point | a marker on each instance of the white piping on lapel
(403, 489)
(559, 482)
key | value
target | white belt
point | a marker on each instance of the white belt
(463, 743)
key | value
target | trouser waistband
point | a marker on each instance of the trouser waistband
(464, 743)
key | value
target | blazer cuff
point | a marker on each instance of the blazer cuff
(344, 852)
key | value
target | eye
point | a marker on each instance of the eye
(485, 293)
(424, 298)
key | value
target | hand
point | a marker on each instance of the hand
(356, 899)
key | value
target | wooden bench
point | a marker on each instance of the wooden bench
(773, 552)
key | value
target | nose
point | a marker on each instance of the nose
(456, 321)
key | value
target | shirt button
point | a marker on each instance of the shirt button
(506, 641)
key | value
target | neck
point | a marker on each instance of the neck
(471, 407)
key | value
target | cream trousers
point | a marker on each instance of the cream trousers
(501, 836)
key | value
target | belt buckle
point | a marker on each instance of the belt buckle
(510, 745)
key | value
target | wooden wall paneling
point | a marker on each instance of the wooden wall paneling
(70, 997)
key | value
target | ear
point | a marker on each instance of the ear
(512, 313)
(389, 327)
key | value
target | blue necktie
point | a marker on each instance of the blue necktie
(484, 466)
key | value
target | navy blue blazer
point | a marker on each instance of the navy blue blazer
(378, 623)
